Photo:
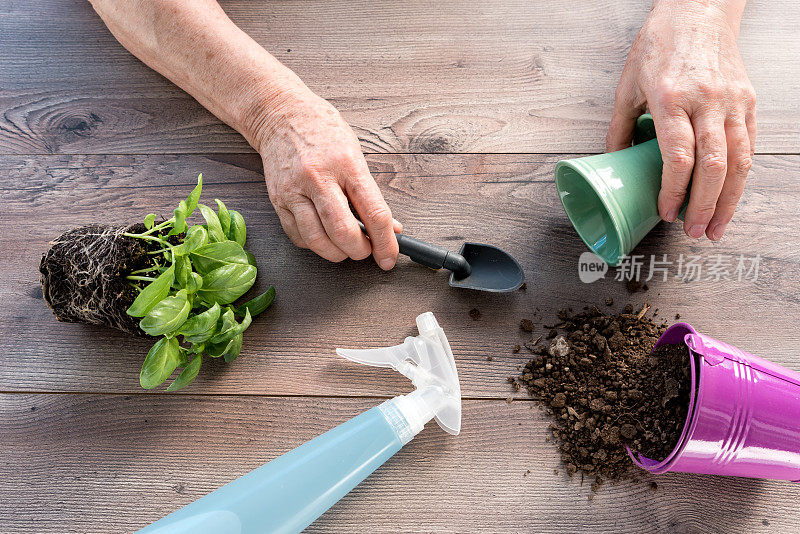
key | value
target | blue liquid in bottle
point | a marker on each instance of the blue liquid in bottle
(290, 492)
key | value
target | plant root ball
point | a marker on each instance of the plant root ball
(83, 275)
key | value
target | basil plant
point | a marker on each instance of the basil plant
(187, 293)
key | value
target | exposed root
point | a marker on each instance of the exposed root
(83, 275)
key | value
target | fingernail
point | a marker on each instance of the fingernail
(672, 215)
(386, 264)
(718, 231)
(696, 230)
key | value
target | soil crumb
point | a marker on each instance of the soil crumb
(527, 325)
(475, 313)
(83, 275)
(633, 286)
(603, 388)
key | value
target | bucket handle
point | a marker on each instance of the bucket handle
(703, 346)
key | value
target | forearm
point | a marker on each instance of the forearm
(196, 46)
(729, 10)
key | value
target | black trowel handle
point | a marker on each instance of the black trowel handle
(430, 255)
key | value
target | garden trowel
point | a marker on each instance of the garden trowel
(475, 266)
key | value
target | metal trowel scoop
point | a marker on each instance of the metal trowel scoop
(476, 266)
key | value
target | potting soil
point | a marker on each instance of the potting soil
(601, 386)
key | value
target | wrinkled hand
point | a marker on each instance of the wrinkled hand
(313, 166)
(685, 67)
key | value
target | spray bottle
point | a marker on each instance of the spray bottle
(290, 492)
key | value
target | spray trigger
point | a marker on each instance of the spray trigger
(428, 362)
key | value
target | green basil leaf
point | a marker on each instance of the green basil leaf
(257, 304)
(149, 219)
(196, 237)
(233, 349)
(237, 231)
(215, 232)
(183, 270)
(194, 283)
(179, 226)
(251, 259)
(168, 315)
(188, 374)
(215, 351)
(227, 283)
(199, 328)
(182, 357)
(224, 216)
(162, 359)
(194, 196)
(245, 322)
(226, 328)
(214, 255)
(230, 328)
(229, 349)
(202, 336)
(202, 322)
(152, 294)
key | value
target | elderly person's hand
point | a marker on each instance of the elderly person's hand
(313, 167)
(685, 67)
(313, 163)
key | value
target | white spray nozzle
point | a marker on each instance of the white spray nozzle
(427, 361)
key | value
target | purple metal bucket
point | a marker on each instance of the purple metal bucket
(744, 414)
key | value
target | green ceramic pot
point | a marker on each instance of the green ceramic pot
(612, 199)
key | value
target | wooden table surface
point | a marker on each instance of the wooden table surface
(463, 111)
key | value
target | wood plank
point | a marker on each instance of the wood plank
(108, 463)
(511, 76)
(507, 200)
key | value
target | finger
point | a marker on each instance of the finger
(739, 162)
(377, 218)
(623, 120)
(750, 122)
(711, 165)
(676, 142)
(339, 222)
(313, 233)
(398, 226)
(290, 226)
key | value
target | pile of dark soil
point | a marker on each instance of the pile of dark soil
(83, 275)
(603, 388)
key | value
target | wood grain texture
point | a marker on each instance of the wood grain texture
(511, 76)
(506, 200)
(84, 449)
(109, 463)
